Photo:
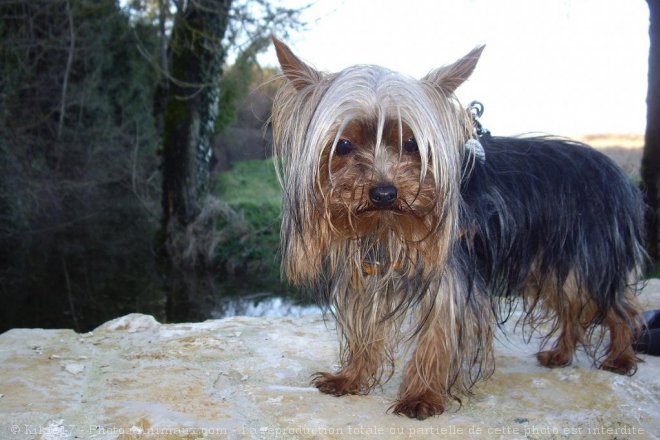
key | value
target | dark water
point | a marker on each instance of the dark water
(169, 299)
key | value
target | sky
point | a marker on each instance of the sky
(566, 67)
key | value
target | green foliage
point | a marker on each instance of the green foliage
(234, 87)
(236, 82)
(78, 196)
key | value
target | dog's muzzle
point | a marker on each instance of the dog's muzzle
(383, 195)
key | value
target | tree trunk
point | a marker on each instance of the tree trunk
(196, 57)
(651, 157)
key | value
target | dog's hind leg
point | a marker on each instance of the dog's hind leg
(563, 350)
(624, 323)
(578, 316)
(572, 316)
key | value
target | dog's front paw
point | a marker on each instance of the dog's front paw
(420, 407)
(336, 384)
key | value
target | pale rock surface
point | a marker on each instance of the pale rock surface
(248, 378)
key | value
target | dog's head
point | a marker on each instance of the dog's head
(368, 153)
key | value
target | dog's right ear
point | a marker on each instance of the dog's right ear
(300, 74)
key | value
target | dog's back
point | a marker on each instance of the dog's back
(558, 223)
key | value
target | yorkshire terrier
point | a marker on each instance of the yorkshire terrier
(416, 227)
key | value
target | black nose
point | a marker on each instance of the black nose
(382, 196)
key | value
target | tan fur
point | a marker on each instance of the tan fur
(388, 273)
(453, 350)
(330, 228)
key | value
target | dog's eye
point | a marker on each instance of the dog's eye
(343, 147)
(410, 146)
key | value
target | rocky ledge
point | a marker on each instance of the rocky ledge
(248, 378)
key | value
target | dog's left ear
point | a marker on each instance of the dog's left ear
(296, 71)
(448, 78)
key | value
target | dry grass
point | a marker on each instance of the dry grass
(631, 141)
(624, 149)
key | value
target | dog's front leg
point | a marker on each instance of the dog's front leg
(426, 381)
(360, 371)
(367, 330)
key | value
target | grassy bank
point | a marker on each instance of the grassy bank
(252, 190)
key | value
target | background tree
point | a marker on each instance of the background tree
(196, 58)
(202, 30)
(651, 156)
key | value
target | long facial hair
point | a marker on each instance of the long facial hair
(373, 265)
(325, 205)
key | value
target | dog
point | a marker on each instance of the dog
(415, 227)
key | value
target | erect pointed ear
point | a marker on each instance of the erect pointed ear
(299, 73)
(448, 78)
